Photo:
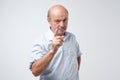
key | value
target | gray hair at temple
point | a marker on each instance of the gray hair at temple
(48, 14)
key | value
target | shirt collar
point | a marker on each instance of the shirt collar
(50, 34)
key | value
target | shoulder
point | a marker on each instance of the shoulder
(70, 35)
(40, 39)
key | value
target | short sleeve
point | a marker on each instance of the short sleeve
(78, 49)
(37, 52)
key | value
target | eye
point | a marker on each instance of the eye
(64, 20)
(57, 21)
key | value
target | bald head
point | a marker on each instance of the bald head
(56, 9)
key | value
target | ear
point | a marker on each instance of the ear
(48, 19)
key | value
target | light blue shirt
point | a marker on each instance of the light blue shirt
(64, 65)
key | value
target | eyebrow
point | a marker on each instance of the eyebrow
(61, 20)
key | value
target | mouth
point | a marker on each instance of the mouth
(61, 31)
(62, 28)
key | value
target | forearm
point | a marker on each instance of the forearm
(40, 65)
(79, 61)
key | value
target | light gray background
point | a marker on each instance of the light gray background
(96, 24)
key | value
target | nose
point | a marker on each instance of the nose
(62, 23)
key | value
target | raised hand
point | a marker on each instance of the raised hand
(57, 40)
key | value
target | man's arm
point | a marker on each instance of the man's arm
(79, 61)
(40, 65)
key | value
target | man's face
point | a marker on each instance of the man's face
(59, 20)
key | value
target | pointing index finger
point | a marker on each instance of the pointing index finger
(56, 32)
